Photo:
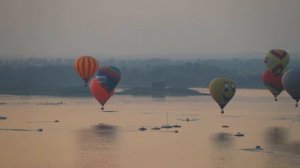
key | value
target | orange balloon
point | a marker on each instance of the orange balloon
(99, 92)
(85, 67)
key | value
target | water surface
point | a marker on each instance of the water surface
(77, 140)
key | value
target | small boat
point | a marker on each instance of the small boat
(166, 126)
(257, 147)
(142, 129)
(225, 126)
(188, 119)
(239, 134)
(50, 103)
(176, 131)
(176, 126)
(3, 118)
(155, 128)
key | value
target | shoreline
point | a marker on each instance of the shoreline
(87, 95)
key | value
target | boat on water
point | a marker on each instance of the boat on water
(176, 126)
(50, 103)
(187, 119)
(3, 118)
(166, 126)
(238, 134)
(257, 147)
(142, 129)
(155, 128)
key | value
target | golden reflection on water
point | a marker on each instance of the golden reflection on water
(97, 146)
(78, 140)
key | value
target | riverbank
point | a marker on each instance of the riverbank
(82, 91)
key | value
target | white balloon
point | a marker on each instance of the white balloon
(291, 83)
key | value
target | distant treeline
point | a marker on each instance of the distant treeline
(57, 76)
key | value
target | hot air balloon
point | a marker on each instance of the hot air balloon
(222, 90)
(273, 83)
(291, 83)
(85, 67)
(276, 61)
(99, 92)
(103, 86)
(109, 76)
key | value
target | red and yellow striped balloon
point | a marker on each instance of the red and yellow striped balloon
(85, 67)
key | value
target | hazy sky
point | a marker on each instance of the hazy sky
(147, 27)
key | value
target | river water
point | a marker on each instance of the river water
(76, 140)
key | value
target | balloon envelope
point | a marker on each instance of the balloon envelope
(272, 82)
(109, 77)
(291, 83)
(85, 67)
(99, 92)
(276, 61)
(222, 90)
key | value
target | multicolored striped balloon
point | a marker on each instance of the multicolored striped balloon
(85, 67)
(276, 61)
(104, 84)
(109, 77)
(99, 92)
(273, 83)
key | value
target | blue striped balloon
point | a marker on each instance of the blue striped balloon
(108, 77)
(291, 83)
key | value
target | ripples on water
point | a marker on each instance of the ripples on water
(97, 146)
